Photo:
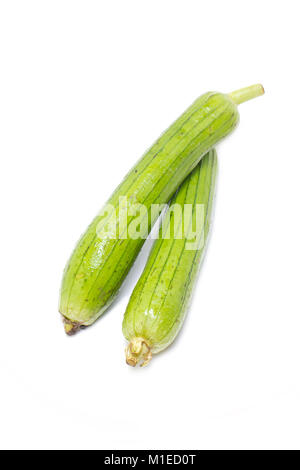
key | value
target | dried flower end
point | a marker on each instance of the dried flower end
(138, 350)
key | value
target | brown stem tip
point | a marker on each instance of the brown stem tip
(71, 327)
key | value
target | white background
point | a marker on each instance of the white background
(85, 88)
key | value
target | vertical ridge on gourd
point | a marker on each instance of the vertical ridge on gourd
(99, 265)
(158, 304)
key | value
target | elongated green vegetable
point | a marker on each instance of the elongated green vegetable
(102, 259)
(158, 304)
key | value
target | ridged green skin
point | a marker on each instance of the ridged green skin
(158, 304)
(98, 266)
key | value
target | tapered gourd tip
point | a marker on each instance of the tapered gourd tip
(138, 350)
(71, 327)
(246, 94)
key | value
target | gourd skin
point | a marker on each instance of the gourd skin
(98, 266)
(158, 304)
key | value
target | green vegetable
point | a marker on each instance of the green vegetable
(101, 260)
(158, 304)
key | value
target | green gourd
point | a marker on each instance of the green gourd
(101, 261)
(159, 301)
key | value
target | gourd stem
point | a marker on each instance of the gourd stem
(248, 93)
